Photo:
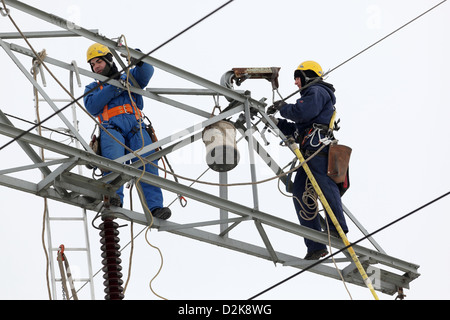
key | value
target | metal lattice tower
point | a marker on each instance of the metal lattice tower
(388, 273)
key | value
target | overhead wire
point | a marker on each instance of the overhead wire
(331, 70)
(127, 68)
(401, 218)
(180, 33)
(365, 49)
(100, 82)
(297, 91)
(312, 265)
(191, 26)
(39, 59)
(326, 74)
(387, 36)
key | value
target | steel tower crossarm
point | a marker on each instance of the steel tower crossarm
(64, 186)
(84, 157)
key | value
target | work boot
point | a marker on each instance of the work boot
(162, 213)
(316, 255)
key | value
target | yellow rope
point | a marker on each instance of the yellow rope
(325, 204)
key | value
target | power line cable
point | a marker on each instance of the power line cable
(43, 127)
(188, 28)
(111, 77)
(364, 50)
(388, 225)
(388, 35)
(346, 61)
(185, 30)
(351, 244)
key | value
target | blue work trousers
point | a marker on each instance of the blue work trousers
(129, 134)
(318, 166)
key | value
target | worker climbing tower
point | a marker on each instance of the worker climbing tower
(243, 116)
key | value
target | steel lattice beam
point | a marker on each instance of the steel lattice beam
(64, 186)
(81, 192)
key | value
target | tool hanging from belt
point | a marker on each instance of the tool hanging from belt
(62, 257)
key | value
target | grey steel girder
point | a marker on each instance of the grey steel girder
(79, 193)
(64, 186)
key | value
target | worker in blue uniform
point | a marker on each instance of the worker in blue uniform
(121, 117)
(308, 121)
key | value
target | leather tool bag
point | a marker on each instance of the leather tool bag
(338, 165)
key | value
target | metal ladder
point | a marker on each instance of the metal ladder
(70, 223)
(52, 251)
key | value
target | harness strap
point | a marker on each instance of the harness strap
(310, 132)
(126, 108)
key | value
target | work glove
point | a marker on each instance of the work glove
(134, 61)
(277, 105)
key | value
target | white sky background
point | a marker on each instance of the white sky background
(392, 102)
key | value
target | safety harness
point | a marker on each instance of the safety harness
(338, 155)
(126, 108)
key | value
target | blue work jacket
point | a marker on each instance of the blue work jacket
(315, 106)
(112, 96)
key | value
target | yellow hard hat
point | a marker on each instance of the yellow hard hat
(96, 50)
(311, 65)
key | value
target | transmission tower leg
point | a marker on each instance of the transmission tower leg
(111, 259)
